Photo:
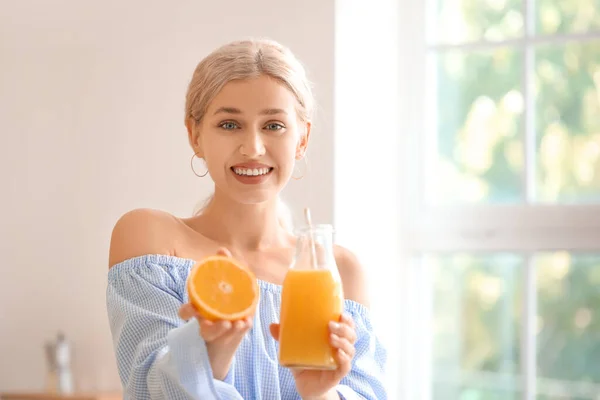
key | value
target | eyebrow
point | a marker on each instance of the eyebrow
(232, 110)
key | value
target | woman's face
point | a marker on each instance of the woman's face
(250, 138)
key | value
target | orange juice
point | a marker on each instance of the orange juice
(309, 300)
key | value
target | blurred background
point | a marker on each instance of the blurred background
(456, 149)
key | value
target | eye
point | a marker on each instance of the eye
(228, 125)
(274, 126)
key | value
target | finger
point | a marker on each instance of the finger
(342, 344)
(274, 329)
(344, 362)
(212, 330)
(186, 311)
(226, 330)
(348, 320)
(224, 252)
(240, 326)
(343, 330)
(237, 331)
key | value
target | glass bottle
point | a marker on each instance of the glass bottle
(311, 297)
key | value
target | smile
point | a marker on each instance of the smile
(251, 171)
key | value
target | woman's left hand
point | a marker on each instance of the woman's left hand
(320, 384)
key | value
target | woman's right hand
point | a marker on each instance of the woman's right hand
(222, 337)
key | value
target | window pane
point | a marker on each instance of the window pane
(568, 16)
(476, 334)
(568, 326)
(479, 106)
(459, 21)
(568, 122)
(477, 311)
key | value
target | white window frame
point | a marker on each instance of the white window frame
(526, 228)
(379, 152)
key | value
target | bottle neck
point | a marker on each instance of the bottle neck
(314, 248)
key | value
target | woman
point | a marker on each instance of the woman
(248, 113)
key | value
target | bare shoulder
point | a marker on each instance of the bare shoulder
(139, 232)
(352, 274)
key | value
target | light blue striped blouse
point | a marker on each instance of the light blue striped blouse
(159, 356)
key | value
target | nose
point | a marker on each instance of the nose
(252, 144)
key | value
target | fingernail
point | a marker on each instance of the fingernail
(334, 325)
(334, 337)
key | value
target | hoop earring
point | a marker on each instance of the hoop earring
(194, 170)
(303, 173)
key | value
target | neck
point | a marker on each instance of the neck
(246, 227)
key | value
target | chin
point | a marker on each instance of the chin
(252, 192)
(248, 195)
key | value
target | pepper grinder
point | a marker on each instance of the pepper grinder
(58, 355)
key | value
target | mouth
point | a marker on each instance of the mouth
(252, 171)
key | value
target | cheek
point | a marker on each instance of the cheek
(215, 153)
(215, 165)
(286, 156)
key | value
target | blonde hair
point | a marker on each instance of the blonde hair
(247, 59)
(243, 60)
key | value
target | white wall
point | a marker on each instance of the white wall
(91, 106)
(367, 163)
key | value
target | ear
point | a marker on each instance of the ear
(303, 142)
(193, 129)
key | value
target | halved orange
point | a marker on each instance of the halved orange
(220, 288)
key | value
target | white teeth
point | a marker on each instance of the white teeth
(251, 172)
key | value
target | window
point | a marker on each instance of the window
(504, 222)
